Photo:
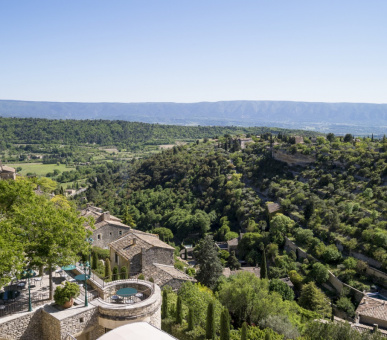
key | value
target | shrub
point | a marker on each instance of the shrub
(141, 277)
(124, 273)
(66, 292)
(115, 273)
(346, 305)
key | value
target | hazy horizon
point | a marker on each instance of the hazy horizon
(188, 52)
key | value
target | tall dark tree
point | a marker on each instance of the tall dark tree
(225, 325)
(210, 267)
(179, 311)
(164, 305)
(108, 270)
(94, 263)
(210, 322)
(244, 331)
(232, 262)
(263, 265)
(190, 319)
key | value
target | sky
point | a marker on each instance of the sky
(193, 51)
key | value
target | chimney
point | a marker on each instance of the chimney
(134, 241)
(375, 328)
(106, 216)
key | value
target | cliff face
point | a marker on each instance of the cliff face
(296, 159)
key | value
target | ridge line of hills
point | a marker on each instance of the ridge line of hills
(356, 118)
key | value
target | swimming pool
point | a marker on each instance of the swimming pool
(377, 296)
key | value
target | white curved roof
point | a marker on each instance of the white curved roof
(136, 330)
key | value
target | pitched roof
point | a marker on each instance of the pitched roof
(373, 307)
(97, 214)
(173, 272)
(273, 207)
(101, 224)
(4, 168)
(233, 242)
(127, 247)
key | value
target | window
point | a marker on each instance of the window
(116, 258)
(110, 234)
(81, 320)
(99, 237)
(120, 232)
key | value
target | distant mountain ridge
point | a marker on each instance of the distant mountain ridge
(241, 112)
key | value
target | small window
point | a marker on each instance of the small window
(81, 320)
(110, 234)
(116, 258)
(120, 232)
(99, 237)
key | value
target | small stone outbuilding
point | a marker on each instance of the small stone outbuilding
(6, 172)
(372, 311)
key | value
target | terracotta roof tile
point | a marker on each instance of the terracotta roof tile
(373, 307)
(126, 247)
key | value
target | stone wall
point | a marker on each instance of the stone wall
(365, 258)
(289, 245)
(147, 310)
(77, 324)
(369, 320)
(338, 285)
(296, 159)
(381, 277)
(25, 326)
(108, 233)
(157, 255)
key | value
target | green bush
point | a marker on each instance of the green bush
(64, 293)
(346, 305)
(101, 253)
(141, 277)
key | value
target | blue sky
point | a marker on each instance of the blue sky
(190, 51)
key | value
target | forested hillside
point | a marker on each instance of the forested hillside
(336, 204)
(124, 134)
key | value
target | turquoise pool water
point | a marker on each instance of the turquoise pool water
(377, 296)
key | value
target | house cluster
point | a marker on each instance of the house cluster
(140, 252)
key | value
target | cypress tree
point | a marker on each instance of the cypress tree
(263, 265)
(124, 274)
(190, 319)
(108, 270)
(210, 322)
(224, 325)
(244, 331)
(94, 265)
(164, 305)
(115, 273)
(179, 311)
(186, 254)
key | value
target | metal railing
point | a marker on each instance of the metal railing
(69, 337)
(21, 304)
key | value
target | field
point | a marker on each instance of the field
(38, 168)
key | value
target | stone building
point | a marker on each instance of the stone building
(107, 228)
(6, 172)
(372, 312)
(145, 253)
(272, 208)
(244, 141)
(137, 250)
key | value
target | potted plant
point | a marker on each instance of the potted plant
(64, 294)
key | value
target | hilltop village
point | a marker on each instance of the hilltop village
(249, 236)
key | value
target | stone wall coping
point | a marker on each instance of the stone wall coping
(67, 313)
(11, 317)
